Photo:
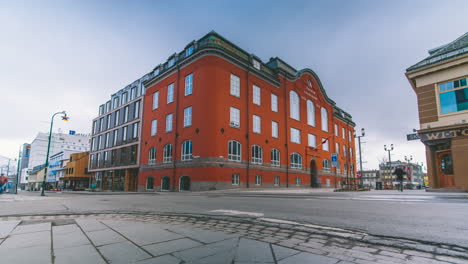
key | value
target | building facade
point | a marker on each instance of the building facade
(371, 179)
(217, 117)
(77, 176)
(23, 165)
(114, 158)
(440, 82)
(413, 179)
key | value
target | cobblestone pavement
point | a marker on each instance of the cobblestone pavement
(152, 238)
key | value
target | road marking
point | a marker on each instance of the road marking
(369, 199)
(234, 212)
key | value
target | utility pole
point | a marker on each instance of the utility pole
(18, 170)
(389, 158)
(363, 133)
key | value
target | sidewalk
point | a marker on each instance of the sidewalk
(176, 239)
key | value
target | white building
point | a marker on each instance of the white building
(59, 142)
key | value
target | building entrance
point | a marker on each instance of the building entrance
(165, 183)
(313, 174)
(184, 183)
(445, 169)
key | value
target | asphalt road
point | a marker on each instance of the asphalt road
(433, 217)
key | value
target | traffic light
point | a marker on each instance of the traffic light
(65, 118)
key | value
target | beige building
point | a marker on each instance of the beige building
(441, 85)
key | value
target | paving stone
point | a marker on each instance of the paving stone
(311, 245)
(27, 255)
(253, 251)
(167, 259)
(36, 239)
(393, 254)
(6, 227)
(23, 229)
(418, 253)
(308, 258)
(204, 236)
(283, 252)
(171, 246)
(72, 239)
(226, 257)
(342, 257)
(89, 225)
(123, 252)
(104, 237)
(365, 249)
(317, 251)
(452, 260)
(145, 234)
(197, 253)
(77, 255)
(421, 260)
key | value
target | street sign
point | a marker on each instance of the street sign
(72, 132)
(413, 136)
(334, 159)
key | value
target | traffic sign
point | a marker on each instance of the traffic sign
(72, 132)
(413, 136)
(334, 159)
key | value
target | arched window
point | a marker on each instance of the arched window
(324, 119)
(296, 161)
(326, 165)
(234, 151)
(257, 154)
(152, 156)
(310, 113)
(298, 181)
(167, 155)
(187, 150)
(149, 183)
(294, 105)
(275, 157)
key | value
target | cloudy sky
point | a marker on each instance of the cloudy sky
(72, 55)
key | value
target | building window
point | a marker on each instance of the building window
(277, 180)
(108, 106)
(234, 151)
(149, 183)
(295, 135)
(235, 117)
(296, 161)
(257, 154)
(152, 156)
(187, 150)
(337, 132)
(311, 140)
(125, 117)
(274, 103)
(453, 96)
(274, 129)
(298, 181)
(135, 130)
(93, 144)
(124, 98)
(256, 124)
(310, 113)
(235, 179)
(169, 123)
(106, 141)
(188, 84)
(351, 152)
(189, 51)
(325, 144)
(95, 127)
(155, 100)
(117, 115)
(294, 105)
(350, 136)
(343, 132)
(344, 150)
(167, 153)
(101, 124)
(115, 103)
(116, 134)
(309, 82)
(326, 165)
(170, 93)
(137, 110)
(101, 110)
(256, 95)
(100, 145)
(124, 133)
(109, 119)
(337, 148)
(133, 93)
(188, 116)
(275, 157)
(235, 85)
(324, 119)
(258, 180)
(154, 127)
(256, 64)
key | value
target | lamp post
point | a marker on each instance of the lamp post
(64, 118)
(363, 133)
(18, 170)
(408, 160)
(389, 158)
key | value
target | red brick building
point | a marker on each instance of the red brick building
(217, 117)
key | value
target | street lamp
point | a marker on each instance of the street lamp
(363, 133)
(408, 160)
(64, 118)
(389, 158)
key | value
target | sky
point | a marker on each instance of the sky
(72, 55)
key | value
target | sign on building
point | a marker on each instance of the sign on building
(414, 136)
(334, 159)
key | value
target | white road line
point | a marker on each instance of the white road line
(234, 212)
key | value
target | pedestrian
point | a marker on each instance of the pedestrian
(3, 183)
(399, 172)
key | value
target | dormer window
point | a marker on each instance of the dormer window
(256, 64)
(156, 71)
(189, 51)
(309, 82)
(171, 62)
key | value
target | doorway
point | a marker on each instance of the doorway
(184, 184)
(165, 183)
(313, 174)
(445, 169)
